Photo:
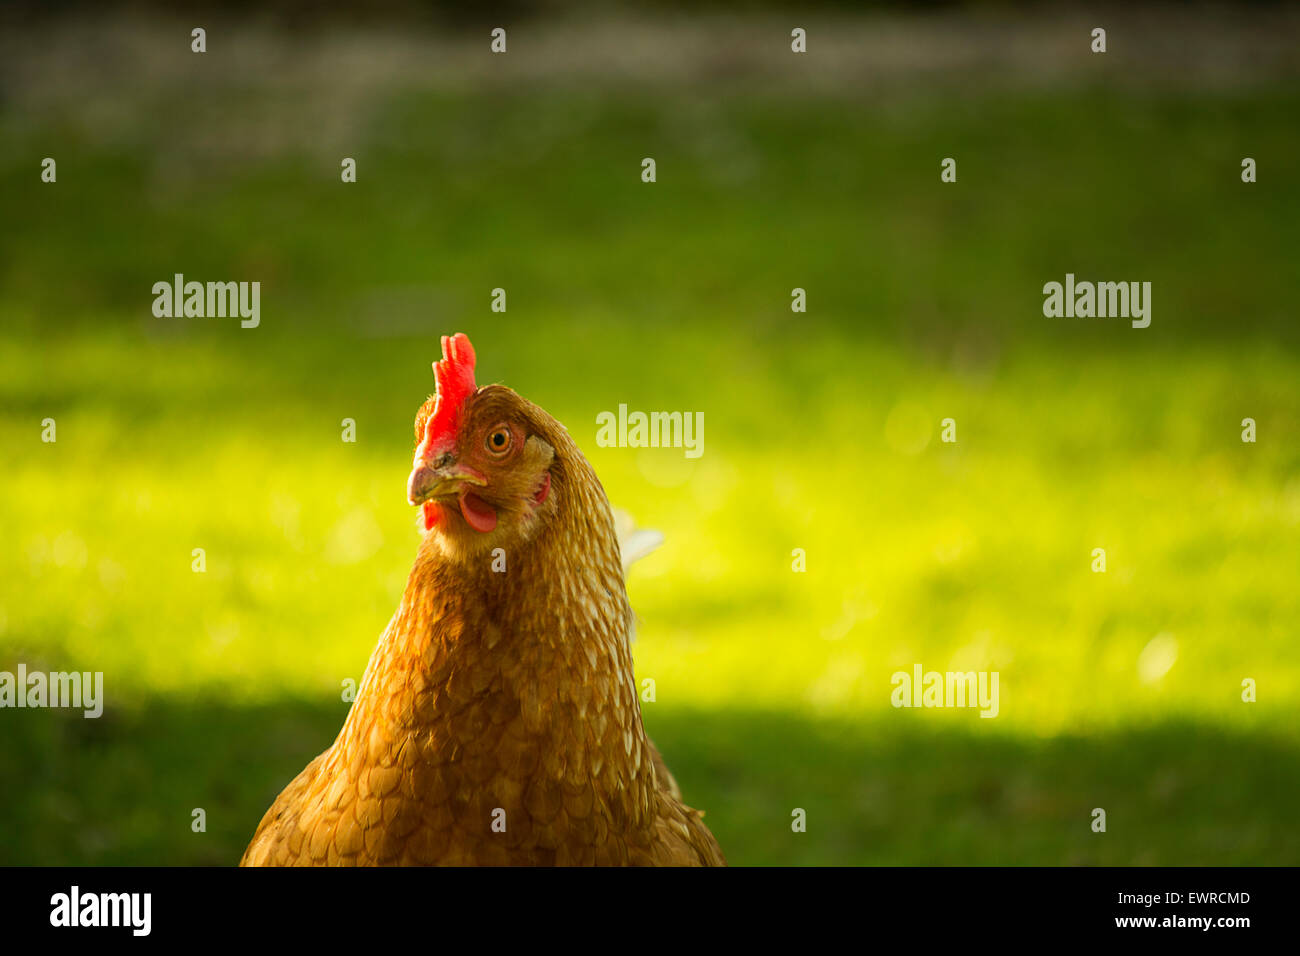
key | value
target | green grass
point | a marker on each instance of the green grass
(821, 433)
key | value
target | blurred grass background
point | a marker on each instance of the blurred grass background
(821, 429)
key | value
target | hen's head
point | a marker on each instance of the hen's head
(482, 473)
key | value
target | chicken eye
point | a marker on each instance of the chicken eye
(498, 440)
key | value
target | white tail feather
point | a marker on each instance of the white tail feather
(634, 543)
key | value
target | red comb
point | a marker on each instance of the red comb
(455, 377)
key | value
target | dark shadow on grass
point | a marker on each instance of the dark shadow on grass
(891, 790)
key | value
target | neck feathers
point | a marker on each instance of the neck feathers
(527, 669)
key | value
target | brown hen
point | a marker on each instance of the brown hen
(498, 721)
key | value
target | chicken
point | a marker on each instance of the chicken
(498, 721)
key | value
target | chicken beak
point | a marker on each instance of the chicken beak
(429, 481)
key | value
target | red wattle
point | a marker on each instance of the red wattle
(479, 515)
